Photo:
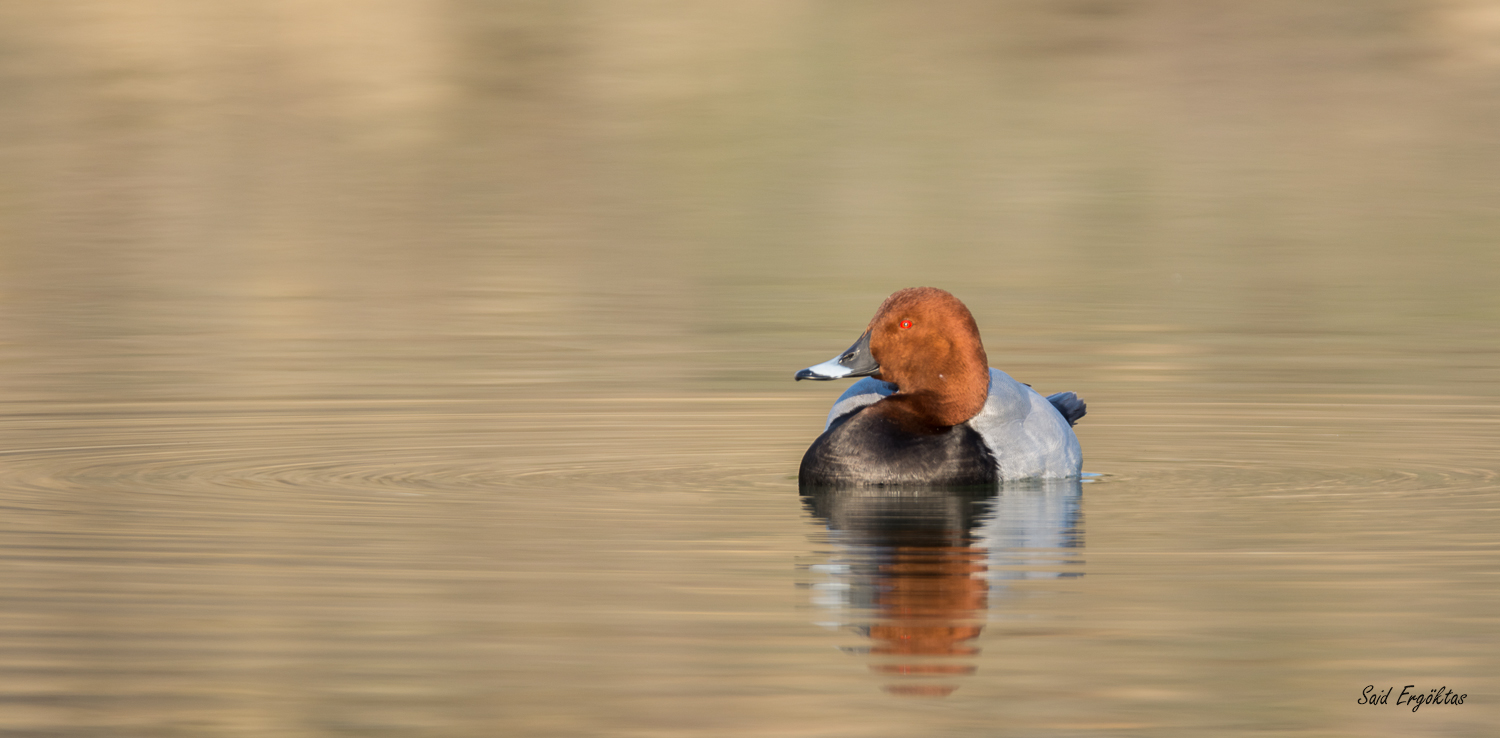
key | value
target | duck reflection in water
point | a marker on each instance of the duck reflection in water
(917, 570)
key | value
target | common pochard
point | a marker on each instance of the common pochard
(930, 410)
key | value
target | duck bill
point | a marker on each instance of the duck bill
(857, 361)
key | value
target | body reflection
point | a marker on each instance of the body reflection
(918, 571)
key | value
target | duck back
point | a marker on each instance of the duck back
(1027, 434)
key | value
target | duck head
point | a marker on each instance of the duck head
(924, 341)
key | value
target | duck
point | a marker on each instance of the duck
(928, 410)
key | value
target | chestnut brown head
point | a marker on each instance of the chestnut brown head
(925, 341)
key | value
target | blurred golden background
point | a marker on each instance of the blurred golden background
(278, 178)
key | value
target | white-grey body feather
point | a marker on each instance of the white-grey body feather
(1027, 436)
(867, 391)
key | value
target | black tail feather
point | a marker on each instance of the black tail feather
(1070, 405)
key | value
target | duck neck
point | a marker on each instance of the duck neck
(946, 393)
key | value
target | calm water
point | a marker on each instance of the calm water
(425, 369)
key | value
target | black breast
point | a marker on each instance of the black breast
(869, 449)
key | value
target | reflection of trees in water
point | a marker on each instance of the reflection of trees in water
(915, 571)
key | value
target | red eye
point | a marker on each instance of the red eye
(905, 324)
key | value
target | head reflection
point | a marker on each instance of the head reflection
(916, 571)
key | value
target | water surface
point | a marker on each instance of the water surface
(423, 369)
